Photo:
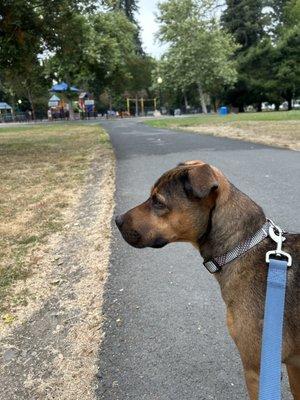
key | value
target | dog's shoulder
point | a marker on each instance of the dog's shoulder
(292, 246)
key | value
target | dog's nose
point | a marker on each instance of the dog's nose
(119, 220)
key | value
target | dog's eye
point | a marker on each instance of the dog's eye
(157, 204)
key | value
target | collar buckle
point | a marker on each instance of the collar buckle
(212, 266)
(276, 234)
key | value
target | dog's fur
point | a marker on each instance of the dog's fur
(195, 203)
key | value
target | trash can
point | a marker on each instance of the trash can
(223, 111)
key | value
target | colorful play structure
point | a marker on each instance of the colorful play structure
(144, 107)
(5, 111)
(67, 105)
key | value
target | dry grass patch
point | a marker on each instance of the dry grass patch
(41, 172)
(279, 133)
(280, 128)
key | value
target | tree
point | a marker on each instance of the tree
(28, 30)
(19, 48)
(140, 69)
(292, 13)
(281, 13)
(245, 20)
(257, 66)
(111, 47)
(268, 59)
(68, 60)
(99, 55)
(130, 9)
(199, 51)
(288, 64)
(69, 41)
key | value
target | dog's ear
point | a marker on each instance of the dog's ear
(200, 181)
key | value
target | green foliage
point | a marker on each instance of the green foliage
(28, 30)
(292, 13)
(140, 69)
(199, 51)
(268, 60)
(77, 42)
(287, 67)
(248, 55)
(245, 21)
(130, 7)
(69, 59)
(94, 54)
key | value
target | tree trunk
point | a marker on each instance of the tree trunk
(202, 99)
(12, 102)
(31, 104)
(71, 112)
(259, 107)
(215, 104)
(186, 104)
(277, 106)
(136, 106)
(289, 99)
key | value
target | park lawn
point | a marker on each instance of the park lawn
(273, 128)
(42, 169)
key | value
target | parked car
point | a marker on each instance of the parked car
(296, 104)
(268, 106)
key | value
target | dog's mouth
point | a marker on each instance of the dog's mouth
(159, 243)
(135, 240)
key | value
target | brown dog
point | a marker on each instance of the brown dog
(195, 203)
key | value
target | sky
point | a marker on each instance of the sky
(148, 25)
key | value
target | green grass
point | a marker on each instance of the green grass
(177, 122)
(42, 168)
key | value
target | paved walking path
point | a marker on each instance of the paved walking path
(165, 334)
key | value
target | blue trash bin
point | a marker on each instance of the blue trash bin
(223, 111)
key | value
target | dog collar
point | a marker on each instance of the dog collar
(215, 264)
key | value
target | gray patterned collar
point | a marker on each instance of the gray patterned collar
(215, 264)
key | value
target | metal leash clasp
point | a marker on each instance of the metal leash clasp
(276, 234)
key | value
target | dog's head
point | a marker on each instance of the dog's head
(178, 209)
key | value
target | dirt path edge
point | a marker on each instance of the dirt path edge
(52, 353)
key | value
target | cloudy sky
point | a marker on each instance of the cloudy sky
(148, 25)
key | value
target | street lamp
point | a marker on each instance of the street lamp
(19, 102)
(159, 82)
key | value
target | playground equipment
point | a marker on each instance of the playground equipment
(143, 105)
(5, 112)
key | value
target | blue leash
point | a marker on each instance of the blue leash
(270, 367)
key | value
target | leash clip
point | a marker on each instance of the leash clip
(276, 234)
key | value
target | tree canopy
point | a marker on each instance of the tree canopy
(71, 41)
(199, 51)
(244, 53)
(267, 61)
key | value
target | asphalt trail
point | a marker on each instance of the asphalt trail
(165, 332)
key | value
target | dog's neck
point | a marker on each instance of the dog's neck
(234, 219)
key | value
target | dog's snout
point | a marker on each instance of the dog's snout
(119, 220)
